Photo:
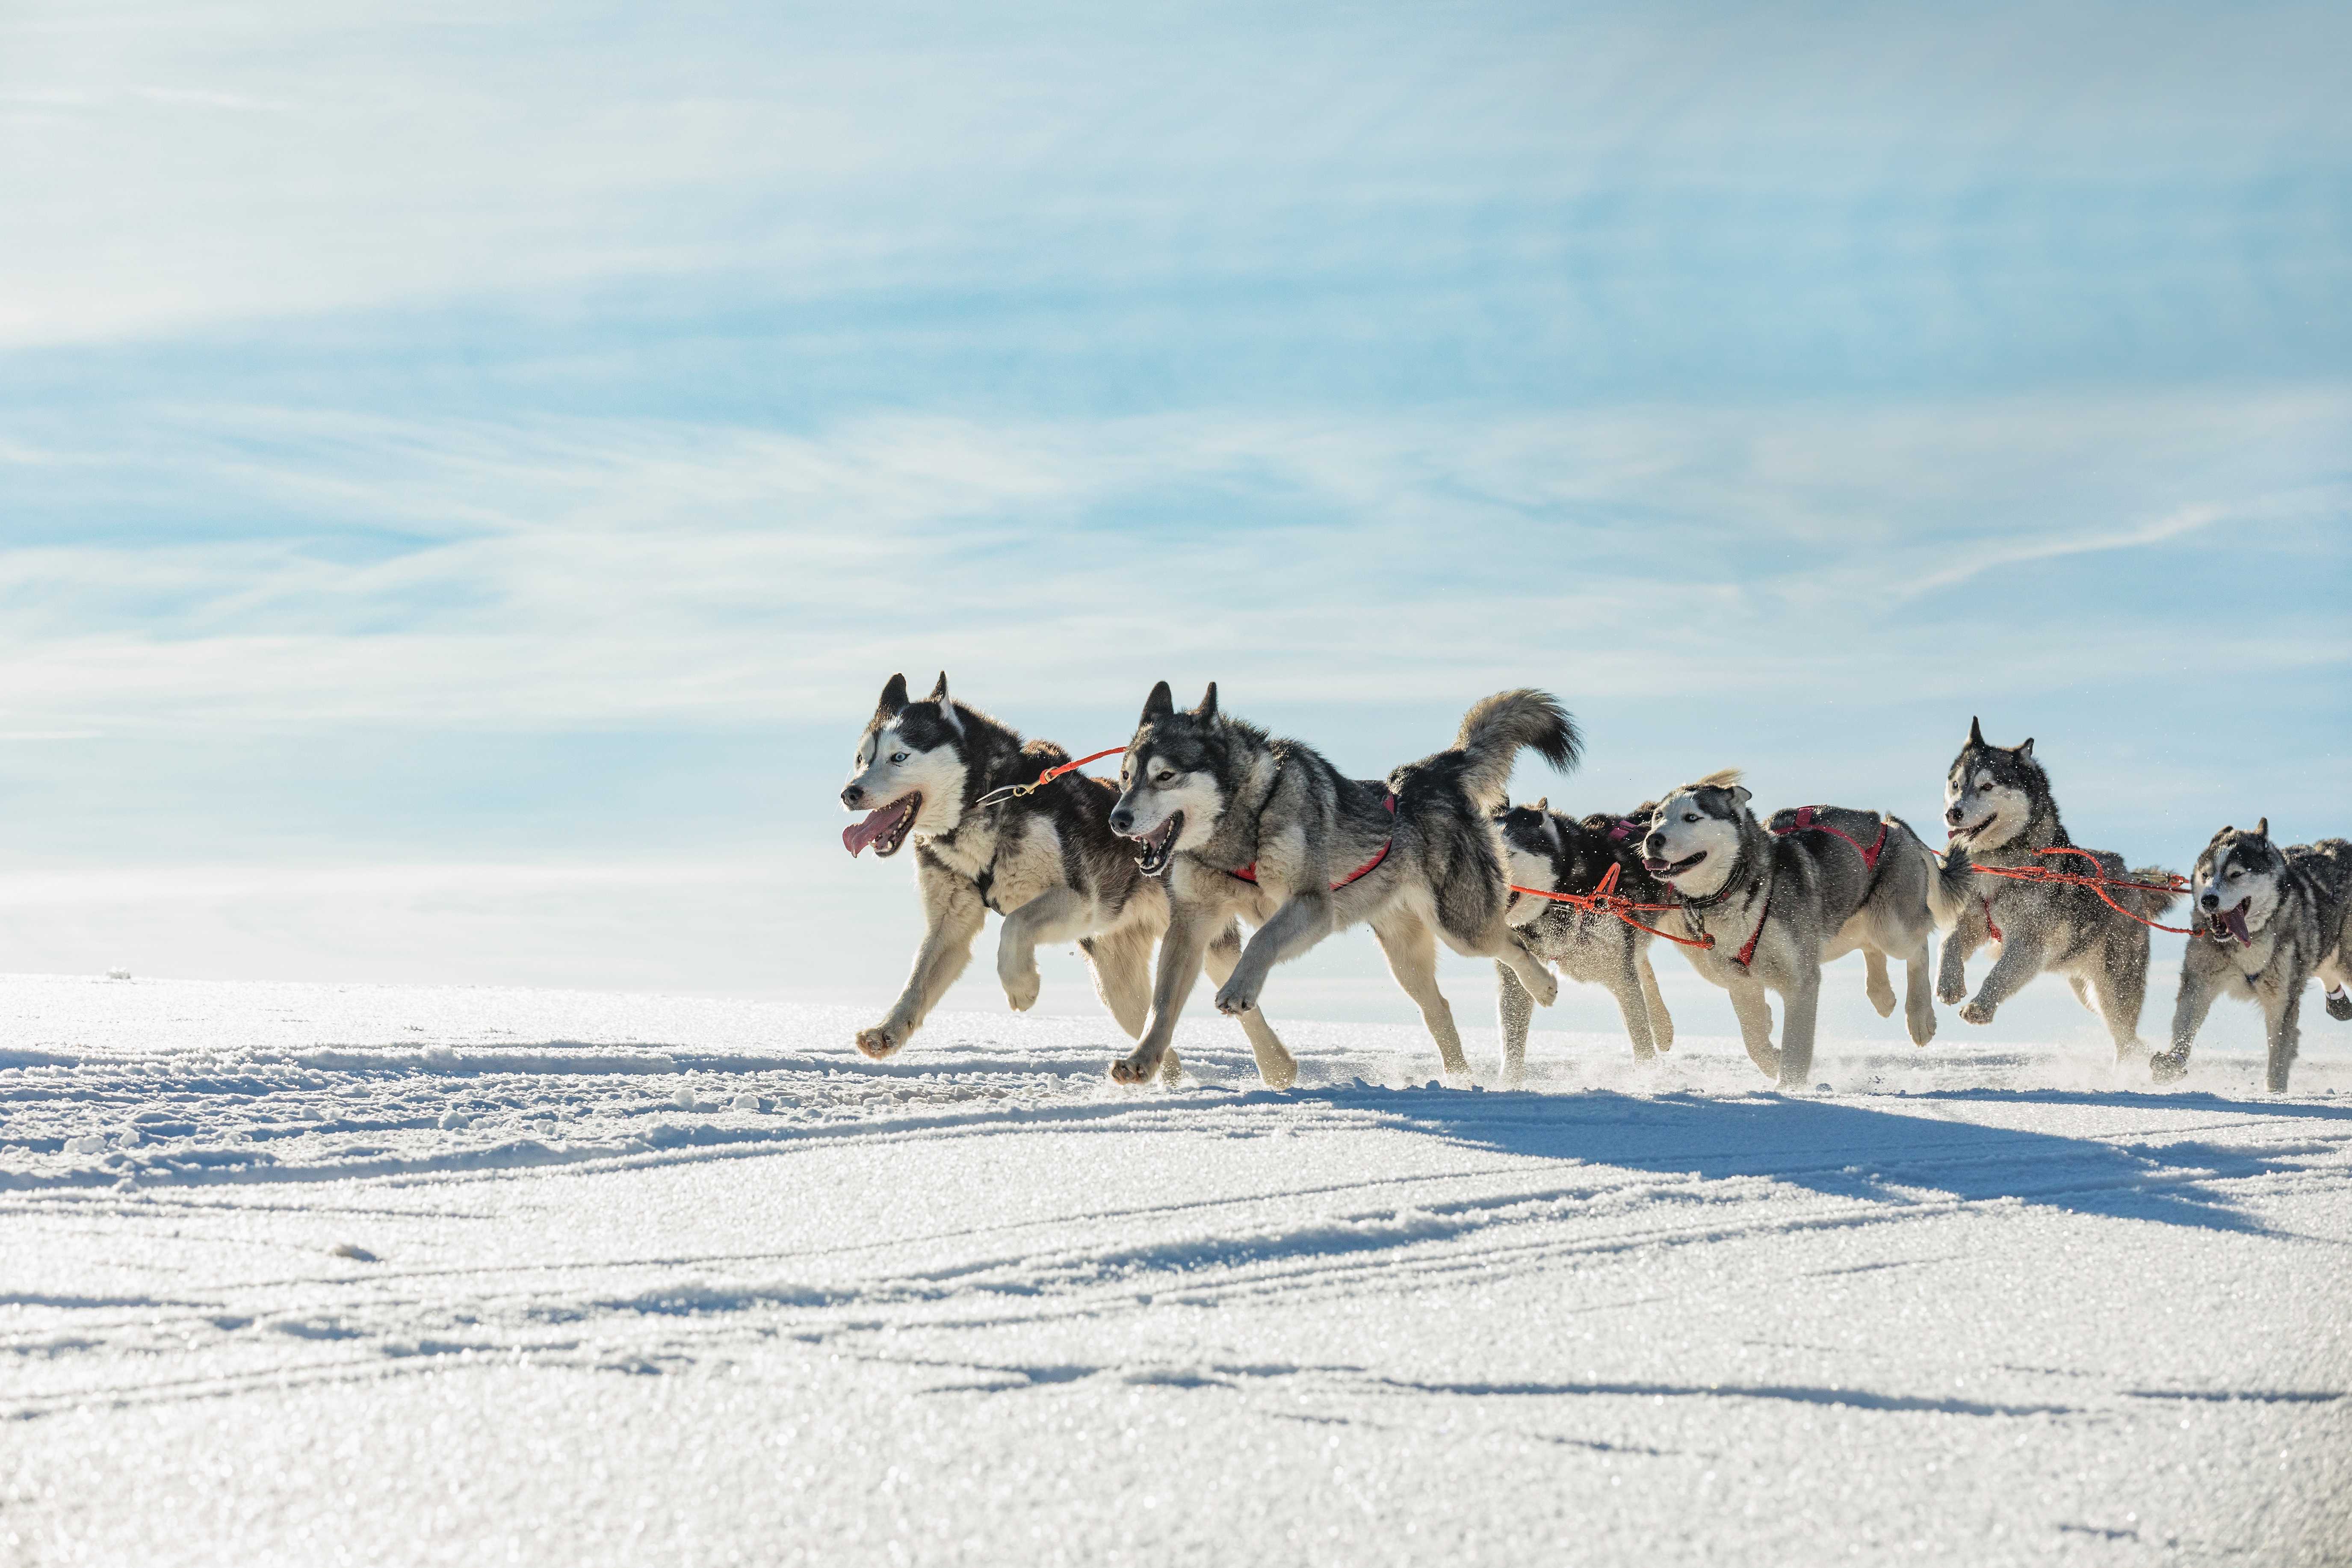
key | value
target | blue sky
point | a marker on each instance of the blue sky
(464, 472)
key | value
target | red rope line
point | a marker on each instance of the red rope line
(1014, 792)
(2097, 881)
(1606, 899)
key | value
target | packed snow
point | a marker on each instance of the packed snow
(311, 1274)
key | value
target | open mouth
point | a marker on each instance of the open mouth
(1154, 849)
(885, 829)
(2225, 924)
(1968, 834)
(1670, 868)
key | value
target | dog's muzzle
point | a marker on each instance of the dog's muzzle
(885, 829)
(1153, 850)
(2228, 925)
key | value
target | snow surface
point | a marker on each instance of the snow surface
(315, 1274)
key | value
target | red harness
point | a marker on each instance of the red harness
(1805, 824)
(1249, 872)
(1747, 950)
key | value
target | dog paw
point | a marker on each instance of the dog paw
(2169, 1066)
(1952, 993)
(1277, 1070)
(1976, 1012)
(1546, 990)
(1884, 1001)
(1236, 999)
(1021, 990)
(2339, 1004)
(882, 1042)
(1135, 1069)
(1923, 1029)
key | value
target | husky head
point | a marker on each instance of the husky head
(1696, 833)
(1543, 849)
(1535, 849)
(1992, 792)
(1171, 788)
(2236, 883)
(908, 771)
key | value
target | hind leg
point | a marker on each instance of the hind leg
(1411, 950)
(1918, 995)
(1514, 1009)
(1277, 1067)
(2119, 985)
(1661, 1022)
(1875, 984)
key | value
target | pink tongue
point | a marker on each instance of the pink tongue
(858, 834)
(2236, 920)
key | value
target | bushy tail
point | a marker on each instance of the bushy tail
(1949, 885)
(1494, 731)
(2147, 905)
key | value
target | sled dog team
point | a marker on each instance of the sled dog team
(1214, 823)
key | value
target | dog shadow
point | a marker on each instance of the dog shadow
(1872, 1152)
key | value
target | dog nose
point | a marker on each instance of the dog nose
(1951, 817)
(1121, 819)
(2211, 901)
(1653, 843)
(852, 795)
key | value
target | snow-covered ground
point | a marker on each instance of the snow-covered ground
(315, 1274)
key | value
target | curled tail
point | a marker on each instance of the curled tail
(1949, 885)
(2145, 904)
(1494, 729)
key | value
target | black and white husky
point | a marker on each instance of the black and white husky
(1245, 824)
(1048, 861)
(2269, 920)
(1779, 904)
(1999, 810)
(1555, 852)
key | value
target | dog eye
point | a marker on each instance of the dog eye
(1690, 816)
(898, 757)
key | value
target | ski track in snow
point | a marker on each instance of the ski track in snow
(306, 1273)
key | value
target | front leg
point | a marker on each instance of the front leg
(1798, 1008)
(1661, 1022)
(955, 914)
(1962, 941)
(1514, 1009)
(2190, 1007)
(1277, 1067)
(2019, 960)
(1057, 914)
(1182, 952)
(1303, 919)
(2284, 1029)
(1755, 1014)
(1636, 1009)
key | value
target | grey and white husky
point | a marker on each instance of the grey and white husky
(1999, 812)
(1557, 853)
(2268, 921)
(1781, 903)
(1245, 824)
(1048, 861)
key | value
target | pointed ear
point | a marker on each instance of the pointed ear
(2025, 752)
(1543, 802)
(1741, 794)
(1161, 701)
(1208, 707)
(894, 698)
(1976, 732)
(2263, 828)
(947, 704)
